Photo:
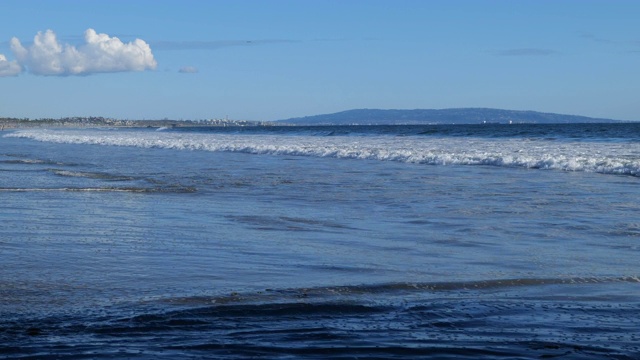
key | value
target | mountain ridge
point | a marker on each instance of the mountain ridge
(440, 116)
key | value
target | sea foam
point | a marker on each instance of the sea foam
(606, 158)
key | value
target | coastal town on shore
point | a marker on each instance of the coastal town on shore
(92, 121)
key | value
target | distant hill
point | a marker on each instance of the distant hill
(439, 116)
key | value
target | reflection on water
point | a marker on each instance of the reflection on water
(128, 252)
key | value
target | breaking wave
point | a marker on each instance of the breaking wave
(620, 158)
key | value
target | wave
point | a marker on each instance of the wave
(587, 132)
(324, 323)
(29, 162)
(103, 189)
(386, 290)
(600, 157)
(91, 175)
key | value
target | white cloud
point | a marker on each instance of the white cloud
(9, 68)
(188, 70)
(99, 54)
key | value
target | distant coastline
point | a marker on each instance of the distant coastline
(441, 116)
(348, 117)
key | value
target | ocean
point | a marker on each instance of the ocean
(348, 242)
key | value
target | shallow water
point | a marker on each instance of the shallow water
(140, 244)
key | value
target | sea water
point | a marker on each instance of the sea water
(440, 241)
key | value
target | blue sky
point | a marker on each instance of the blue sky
(269, 60)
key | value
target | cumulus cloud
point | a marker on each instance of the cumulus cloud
(188, 70)
(9, 68)
(100, 53)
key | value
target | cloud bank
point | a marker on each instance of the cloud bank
(100, 53)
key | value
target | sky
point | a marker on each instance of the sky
(268, 60)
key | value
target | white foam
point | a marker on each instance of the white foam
(601, 157)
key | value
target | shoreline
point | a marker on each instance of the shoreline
(12, 123)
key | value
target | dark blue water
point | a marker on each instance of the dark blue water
(629, 131)
(483, 241)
